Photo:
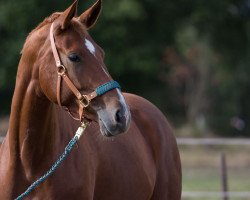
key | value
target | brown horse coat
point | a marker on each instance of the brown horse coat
(141, 164)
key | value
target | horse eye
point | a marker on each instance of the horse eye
(74, 57)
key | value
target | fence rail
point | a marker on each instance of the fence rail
(213, 141)
(215, 194)
(204, 141)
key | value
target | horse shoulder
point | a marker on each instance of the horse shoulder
(150, 119)
(158, 133)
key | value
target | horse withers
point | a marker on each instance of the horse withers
(51, 92)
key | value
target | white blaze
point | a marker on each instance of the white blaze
(123, 102)
(90, 46)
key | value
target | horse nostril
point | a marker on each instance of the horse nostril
(118, 116)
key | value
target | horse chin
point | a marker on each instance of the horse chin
(105, 132)
(110, 132)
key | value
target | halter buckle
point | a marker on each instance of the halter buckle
(84, 101)
(61, 70)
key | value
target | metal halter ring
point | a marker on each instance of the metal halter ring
(84, 101)
(61, 70)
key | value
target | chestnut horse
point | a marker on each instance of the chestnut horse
(141, 164)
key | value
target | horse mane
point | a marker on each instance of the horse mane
(46, 21)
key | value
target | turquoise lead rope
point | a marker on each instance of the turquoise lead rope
(99, 91)
(66, 152)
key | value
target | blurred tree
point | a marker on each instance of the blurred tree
(191, 58)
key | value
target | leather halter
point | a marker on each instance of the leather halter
(83, 100)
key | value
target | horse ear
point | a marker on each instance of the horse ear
(67, 15)
(90, 16)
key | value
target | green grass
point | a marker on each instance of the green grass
(209, 179)
(200, 180)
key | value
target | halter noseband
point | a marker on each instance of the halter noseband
(83, 100)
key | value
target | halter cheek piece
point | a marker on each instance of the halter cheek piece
(83, 100)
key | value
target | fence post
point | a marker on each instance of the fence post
(224, 180)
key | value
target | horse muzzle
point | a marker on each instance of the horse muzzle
(114, 120)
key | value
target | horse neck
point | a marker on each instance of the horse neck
(32, 128)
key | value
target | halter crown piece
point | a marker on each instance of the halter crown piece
(83, 100)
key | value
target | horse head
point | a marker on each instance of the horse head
(83, 61)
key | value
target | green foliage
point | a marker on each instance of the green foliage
(209, 42)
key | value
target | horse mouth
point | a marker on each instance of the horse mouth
(113, 130)
(104, 130)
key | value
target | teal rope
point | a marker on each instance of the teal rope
(99, 91)
(107, 87)
(51, 170)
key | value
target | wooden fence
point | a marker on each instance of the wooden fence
(213, 141)
(200, 195)
(224, 194)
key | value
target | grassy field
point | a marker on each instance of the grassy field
(201, 169)
(209, 179)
